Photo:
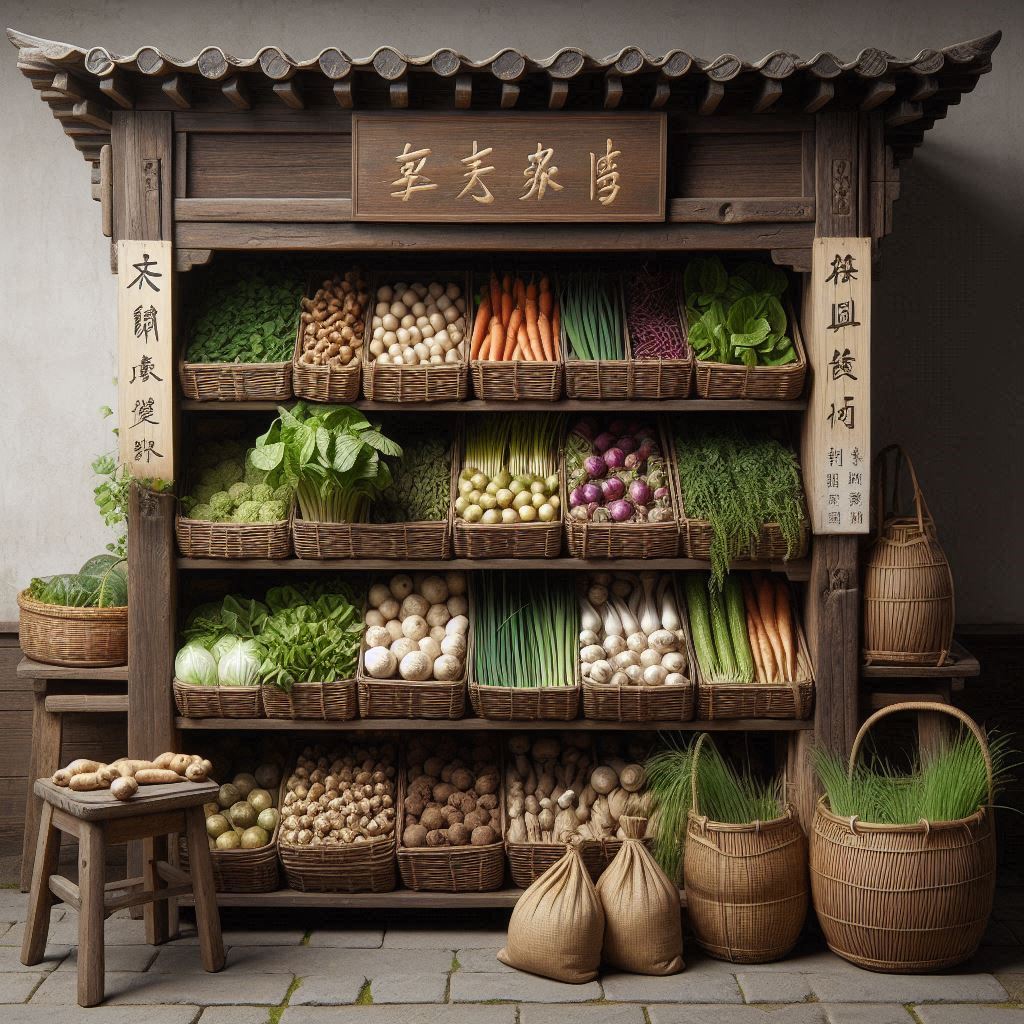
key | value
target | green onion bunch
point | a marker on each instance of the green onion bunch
(591, 316)
(521, 443)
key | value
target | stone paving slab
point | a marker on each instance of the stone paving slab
(10, 960)
(1014, 985)
(485, 960)
(444, 938)
(410, 988)
(305, 961)
(117, 932)
(389, 1015)
(969, 1014)
(775, 986)
(697, 984)
(17, 914)
(866, 1013)
(347, 938)
(808, 1013)
(234, 1015)
(328, 990)
(16, 988)
(518, 987)
(252, 937)
(119, 958)
(33, 1014)
(228, 988)
(584, 1013)
(907, 988)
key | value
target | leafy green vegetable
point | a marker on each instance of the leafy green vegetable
(247, 312)
(331, 456)
(101, 583)
(737, 318)
(421, 480)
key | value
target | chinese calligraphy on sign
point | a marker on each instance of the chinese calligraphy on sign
(145, 372)
(837, 429)
(527, 167)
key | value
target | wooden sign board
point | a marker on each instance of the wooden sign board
(837, 430)
(510, 167)
(145, 367)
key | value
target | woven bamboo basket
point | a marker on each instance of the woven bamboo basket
(445, 383)
(905, 899)
(198, 538)
(599, 379)
(334, 701)
(661, 378)
(778, 383)
(236, 382)
(603, 702)
(717, 701)
(746, 885)
(76, 637)
(217, 701)
(624, 540)
(908, 585)
(356, 867)
(457, 868)
(322, 383)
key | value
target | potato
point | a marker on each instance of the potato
(414, 836)
(229, 840)
(484, 835)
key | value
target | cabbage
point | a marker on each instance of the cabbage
(240, 665)
(196, 665)
(223, 645)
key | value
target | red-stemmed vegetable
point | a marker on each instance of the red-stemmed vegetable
(653, 317)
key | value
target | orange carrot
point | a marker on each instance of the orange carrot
(523, 342)
(533, 332)
(506, 307)
(784, 621)
(512, 335)
(766, 606)
(495, 295)
(531, 289)
(547, 298)
(759, 645)
(496, 339)
(480, 327)
(520, 291)
(506, 285)
(546, 339)
(556, 331)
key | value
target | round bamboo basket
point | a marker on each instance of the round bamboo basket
(76, 637)
(217, 701)
(236, 382)
(904, 899)
(199, 538)
(908, 585)
(746, 885)
(334, 701)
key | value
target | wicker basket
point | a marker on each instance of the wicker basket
(457, 868)
(746, 885)
(908, 586)
(624, 540)
(357, 867)
(241, 870)
(198, 538)
(717, 701)
(322, 383)
(599, 379)
(445, 383)
(217, 701)
(905, 899)
(236, 382)
(326, 702)
(525, 704)
(763, 383)
(76, 637)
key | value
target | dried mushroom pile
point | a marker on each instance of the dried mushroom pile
(334, 800)
(557, 792)
(332, 321)
(451, 800)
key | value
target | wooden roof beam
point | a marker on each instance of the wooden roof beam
(509, 95)
(904, 112)
(558, 93)
(662, 92)
(882, 90)
(713, 93)
(177, 90)
(92, 114)
(398, 93)
(288, 93)
(68, 86)
(115, 86)
(236, 92)
(925, 89)
(822, 95)
(771, 91)
(612, 91)
(463, 92)
(343, 93)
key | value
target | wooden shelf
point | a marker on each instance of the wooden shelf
(29, 669)
(961, 664)
(396, 900)
(487, 725)
(798, 569)
(564, 405)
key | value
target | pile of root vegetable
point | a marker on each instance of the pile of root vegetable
(558, 790)
(124, 776)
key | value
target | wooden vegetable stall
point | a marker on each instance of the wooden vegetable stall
(509, 163)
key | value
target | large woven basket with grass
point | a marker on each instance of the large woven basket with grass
(746, 884)
(77, 637)
(905, 899)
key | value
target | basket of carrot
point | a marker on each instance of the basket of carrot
(751, 652)
(515, 351)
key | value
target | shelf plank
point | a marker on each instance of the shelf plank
(475, 405)
(486, 725)
(29, 669)
(960, 664)
(798, 569)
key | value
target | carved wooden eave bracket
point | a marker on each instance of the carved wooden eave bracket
(83, 87)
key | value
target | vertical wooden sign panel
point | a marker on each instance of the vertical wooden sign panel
(145, 372)
(837, 434)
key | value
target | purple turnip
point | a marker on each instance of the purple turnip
(580, 513)
(604, 441)
(627, 443)
(641, 493)
(591, 492)
(612, 488)
(661, 492)
(592, 507)
(577, 498)
(633, 461)
(615, 458)
(620, 511)
(595, 467)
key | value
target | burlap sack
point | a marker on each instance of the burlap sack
(557, 925)
(643, 925)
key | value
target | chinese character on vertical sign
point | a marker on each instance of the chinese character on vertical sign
(475, 186)
(604, 175)
(411, 179)
(844, 315)
(146, 274)
(143, 412)
(145, 323)
(844, 269)
(540, 174)
(146, 450)
(842, 364)
(835, 456)
(844, 414)
(143, 370)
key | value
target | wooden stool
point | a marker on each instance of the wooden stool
(98, 819)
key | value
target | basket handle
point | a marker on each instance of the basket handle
(926, 705)
(920, 504)
(694, 803)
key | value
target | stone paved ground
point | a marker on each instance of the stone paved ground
(322, 969)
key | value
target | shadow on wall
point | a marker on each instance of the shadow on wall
(949, 305)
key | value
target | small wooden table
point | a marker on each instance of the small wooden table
(97, 819)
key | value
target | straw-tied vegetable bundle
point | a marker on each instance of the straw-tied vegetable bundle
(741, 493)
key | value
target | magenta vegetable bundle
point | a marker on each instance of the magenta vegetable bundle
(653, 317)
(616, 472)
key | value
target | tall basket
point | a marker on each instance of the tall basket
(746, 885)
(908, 586)
(905, 899)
